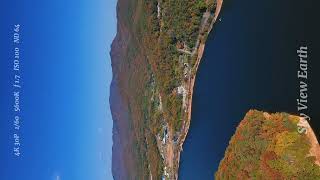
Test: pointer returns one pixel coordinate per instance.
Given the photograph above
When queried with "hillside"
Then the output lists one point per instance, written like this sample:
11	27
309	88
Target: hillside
271	146
155	56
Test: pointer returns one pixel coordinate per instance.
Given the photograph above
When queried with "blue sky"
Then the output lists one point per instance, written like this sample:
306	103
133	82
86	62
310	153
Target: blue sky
66	125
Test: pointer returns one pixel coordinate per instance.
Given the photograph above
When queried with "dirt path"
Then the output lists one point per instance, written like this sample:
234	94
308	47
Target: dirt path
170	155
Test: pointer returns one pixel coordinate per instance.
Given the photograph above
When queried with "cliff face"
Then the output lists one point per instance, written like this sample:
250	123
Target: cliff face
271	146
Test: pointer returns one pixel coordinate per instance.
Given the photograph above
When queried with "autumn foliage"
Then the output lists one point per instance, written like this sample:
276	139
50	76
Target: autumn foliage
268	146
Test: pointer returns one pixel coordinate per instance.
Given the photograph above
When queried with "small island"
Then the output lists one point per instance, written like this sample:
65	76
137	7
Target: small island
271	146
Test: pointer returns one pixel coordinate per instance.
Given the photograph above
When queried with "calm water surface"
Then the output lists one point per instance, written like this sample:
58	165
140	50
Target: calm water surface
250	62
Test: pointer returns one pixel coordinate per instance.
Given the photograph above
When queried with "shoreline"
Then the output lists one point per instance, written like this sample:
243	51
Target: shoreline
200	51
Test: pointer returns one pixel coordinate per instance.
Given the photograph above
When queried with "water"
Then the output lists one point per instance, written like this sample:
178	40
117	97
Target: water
250	62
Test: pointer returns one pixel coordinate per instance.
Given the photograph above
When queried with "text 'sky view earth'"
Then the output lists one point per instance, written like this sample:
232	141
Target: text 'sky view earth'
155	58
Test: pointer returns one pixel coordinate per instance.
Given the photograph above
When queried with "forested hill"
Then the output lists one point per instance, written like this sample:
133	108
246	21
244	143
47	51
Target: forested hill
271	146
155	56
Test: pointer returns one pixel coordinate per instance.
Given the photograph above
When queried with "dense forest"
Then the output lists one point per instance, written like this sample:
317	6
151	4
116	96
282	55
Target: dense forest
154	53
268	146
